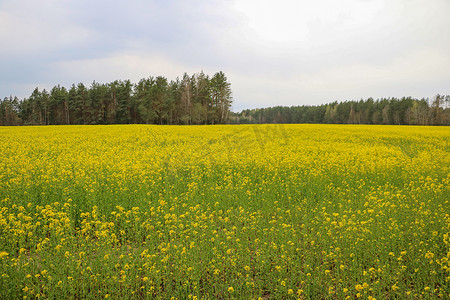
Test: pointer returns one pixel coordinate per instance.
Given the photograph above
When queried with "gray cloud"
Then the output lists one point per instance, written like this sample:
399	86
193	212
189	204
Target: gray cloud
291	53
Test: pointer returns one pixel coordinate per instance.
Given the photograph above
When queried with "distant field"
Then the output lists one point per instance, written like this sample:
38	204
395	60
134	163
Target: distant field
223	212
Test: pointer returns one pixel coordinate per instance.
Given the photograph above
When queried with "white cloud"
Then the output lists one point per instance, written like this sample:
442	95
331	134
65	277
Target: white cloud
293	22
421	73
121	66
316	52
33	27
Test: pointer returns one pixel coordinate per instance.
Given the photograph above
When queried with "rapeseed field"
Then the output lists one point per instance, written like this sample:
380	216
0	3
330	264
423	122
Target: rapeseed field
225	212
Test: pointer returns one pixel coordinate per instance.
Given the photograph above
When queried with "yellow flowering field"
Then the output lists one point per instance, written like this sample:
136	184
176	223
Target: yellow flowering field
225	212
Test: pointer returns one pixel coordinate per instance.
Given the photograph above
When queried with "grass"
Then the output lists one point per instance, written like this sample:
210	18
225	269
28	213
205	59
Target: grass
225	212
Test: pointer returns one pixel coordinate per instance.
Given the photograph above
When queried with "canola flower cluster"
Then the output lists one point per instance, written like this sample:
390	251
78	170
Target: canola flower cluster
225	212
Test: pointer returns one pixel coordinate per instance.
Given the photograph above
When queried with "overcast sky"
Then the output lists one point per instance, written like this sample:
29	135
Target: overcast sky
282	52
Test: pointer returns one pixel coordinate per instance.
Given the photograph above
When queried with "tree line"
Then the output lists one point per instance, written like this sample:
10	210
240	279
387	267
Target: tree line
196	99
388	111
200	99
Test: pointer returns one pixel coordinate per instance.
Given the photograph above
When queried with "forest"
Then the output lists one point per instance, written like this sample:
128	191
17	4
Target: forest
196	99
386	111
201	99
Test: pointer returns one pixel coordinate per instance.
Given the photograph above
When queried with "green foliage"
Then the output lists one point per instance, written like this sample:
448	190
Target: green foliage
195	99
199	99
387	111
